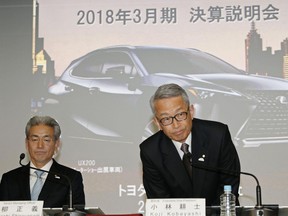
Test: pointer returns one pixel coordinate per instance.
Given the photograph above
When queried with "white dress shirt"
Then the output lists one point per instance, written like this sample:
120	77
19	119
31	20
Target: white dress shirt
33	176
179	144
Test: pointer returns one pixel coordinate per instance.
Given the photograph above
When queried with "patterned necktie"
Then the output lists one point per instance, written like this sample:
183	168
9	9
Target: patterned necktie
37	186
187	159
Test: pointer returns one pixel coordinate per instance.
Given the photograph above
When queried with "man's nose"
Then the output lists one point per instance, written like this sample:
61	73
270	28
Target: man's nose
175	123
40	143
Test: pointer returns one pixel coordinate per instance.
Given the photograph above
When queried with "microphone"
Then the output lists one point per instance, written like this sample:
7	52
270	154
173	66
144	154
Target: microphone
258	206
70	207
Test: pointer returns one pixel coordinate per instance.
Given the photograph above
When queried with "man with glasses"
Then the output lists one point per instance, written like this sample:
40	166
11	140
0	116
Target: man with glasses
209	150
25	183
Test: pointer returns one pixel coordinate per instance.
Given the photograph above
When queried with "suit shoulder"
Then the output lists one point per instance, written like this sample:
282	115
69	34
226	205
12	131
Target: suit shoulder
152	141
64	169
14	172
208	123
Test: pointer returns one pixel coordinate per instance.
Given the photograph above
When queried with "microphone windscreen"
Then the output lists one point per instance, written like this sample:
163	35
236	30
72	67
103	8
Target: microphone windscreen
22	156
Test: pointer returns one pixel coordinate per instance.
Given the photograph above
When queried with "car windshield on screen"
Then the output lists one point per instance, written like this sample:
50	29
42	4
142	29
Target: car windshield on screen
182	62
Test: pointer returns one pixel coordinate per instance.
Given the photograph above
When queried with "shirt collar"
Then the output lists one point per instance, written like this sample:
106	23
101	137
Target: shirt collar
187	141
46	167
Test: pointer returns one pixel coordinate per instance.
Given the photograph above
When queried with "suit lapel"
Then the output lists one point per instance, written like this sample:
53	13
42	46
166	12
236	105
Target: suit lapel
199	155
52	183
24	181
174	165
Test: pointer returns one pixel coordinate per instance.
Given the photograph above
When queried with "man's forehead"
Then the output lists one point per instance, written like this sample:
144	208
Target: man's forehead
39	135
41	130
170	107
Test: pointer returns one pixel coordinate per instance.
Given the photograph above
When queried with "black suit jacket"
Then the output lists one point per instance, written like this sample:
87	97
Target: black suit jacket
164	175
15	185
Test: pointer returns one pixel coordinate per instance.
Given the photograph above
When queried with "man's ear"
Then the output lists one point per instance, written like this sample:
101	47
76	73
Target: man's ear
191	110
26	144
157	123
57	147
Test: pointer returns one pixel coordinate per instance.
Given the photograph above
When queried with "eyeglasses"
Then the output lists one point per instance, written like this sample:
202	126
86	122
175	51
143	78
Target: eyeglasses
169	120
35	139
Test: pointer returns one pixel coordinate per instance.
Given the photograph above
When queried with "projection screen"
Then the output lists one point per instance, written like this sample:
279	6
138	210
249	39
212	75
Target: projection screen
93	65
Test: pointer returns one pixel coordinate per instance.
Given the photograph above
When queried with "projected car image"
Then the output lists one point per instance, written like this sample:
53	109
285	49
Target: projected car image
105	94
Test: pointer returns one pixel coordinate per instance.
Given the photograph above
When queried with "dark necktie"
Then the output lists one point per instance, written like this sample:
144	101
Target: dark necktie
187	159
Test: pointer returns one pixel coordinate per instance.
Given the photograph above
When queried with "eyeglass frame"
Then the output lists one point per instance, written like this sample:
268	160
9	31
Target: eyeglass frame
174	117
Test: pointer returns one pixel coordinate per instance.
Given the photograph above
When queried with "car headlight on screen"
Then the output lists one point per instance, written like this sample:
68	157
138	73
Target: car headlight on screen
198	94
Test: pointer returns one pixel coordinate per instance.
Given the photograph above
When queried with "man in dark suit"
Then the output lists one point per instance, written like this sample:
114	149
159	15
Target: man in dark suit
210	145
42	142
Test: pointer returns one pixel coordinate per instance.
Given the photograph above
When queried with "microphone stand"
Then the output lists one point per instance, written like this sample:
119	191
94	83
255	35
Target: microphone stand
259	209
70	211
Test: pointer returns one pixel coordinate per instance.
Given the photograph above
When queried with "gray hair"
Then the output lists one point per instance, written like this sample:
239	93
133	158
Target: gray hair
43	120
168	91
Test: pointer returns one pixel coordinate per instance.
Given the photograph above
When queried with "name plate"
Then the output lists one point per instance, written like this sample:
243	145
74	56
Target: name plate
175	207
21	208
